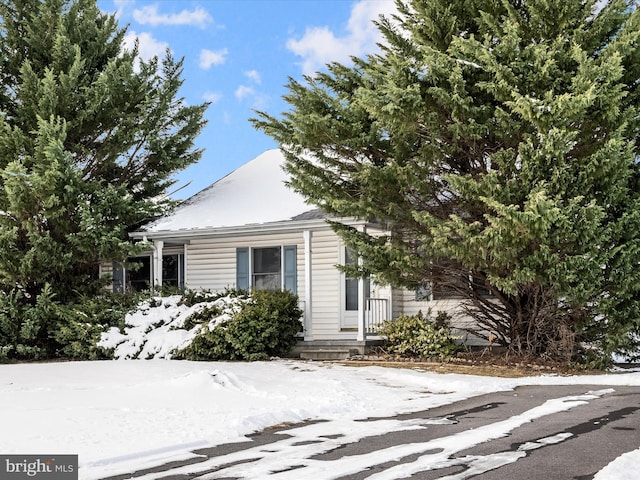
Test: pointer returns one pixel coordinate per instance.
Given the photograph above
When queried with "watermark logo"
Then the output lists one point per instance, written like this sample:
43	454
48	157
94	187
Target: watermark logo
39	467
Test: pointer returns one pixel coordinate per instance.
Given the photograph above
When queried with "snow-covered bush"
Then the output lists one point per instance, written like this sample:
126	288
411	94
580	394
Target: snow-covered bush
161	325
419	336
229	325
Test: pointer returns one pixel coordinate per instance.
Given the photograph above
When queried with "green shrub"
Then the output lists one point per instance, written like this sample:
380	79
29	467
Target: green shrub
25	324
419	336
40	327
266	326
79	326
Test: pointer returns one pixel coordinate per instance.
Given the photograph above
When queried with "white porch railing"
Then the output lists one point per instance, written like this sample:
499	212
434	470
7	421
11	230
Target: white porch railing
376	312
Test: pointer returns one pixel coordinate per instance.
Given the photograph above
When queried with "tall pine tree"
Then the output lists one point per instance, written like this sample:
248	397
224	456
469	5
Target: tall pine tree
498	144
89	139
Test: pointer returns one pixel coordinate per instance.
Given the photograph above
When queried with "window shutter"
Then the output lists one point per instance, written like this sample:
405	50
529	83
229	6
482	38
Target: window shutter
290	268
242	268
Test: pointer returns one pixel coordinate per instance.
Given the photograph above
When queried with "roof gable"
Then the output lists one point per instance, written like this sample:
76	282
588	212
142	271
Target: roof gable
255	193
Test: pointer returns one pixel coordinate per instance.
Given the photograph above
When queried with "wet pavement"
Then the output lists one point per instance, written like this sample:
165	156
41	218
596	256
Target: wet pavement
548	432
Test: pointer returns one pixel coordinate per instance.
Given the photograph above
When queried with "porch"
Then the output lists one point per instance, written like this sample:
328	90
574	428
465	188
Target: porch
374	313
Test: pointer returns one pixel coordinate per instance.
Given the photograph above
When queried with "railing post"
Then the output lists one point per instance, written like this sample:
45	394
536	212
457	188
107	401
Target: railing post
377	310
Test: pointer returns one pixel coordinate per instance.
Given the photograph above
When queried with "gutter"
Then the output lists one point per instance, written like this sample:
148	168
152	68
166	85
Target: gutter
271	227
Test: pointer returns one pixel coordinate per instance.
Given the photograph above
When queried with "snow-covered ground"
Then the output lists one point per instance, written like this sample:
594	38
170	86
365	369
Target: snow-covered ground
119	414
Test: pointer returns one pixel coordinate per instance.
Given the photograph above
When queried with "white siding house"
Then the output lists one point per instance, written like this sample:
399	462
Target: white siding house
249	229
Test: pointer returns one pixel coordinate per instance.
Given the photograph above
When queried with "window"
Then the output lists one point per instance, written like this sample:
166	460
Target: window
445	291
173	270
138	274
479	285
451	284
139	279
269	268
423	292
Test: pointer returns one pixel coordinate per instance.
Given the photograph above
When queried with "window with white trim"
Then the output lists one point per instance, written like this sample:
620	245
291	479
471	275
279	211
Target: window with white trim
137	274
452	289
267	268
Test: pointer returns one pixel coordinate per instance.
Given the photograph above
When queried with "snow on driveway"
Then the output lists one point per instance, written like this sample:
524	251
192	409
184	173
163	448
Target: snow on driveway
121	414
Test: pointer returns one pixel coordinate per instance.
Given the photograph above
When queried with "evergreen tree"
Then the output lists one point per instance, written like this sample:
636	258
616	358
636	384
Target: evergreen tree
497	142
89	139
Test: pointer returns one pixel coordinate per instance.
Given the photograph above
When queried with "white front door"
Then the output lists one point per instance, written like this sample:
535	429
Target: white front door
349	295
349	303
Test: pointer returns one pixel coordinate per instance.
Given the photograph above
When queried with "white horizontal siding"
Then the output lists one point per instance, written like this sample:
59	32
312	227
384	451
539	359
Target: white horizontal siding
211	264
410	306
326	285
406	303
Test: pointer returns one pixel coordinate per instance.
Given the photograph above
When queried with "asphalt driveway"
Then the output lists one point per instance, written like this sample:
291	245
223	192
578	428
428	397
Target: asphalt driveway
549	432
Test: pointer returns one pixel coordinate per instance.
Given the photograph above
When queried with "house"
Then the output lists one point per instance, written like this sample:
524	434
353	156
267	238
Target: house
249	229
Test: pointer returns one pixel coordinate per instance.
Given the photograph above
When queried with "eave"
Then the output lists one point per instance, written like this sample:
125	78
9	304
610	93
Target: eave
239	230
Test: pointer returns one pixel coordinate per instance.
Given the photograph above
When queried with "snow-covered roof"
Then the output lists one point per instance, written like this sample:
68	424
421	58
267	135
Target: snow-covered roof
255	193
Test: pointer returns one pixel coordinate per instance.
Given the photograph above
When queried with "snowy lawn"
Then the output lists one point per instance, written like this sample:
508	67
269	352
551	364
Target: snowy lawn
121	414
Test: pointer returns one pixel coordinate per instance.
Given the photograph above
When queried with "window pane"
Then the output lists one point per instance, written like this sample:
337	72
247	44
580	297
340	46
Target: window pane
349	257
266	260
170	270
139	276
351	291
118	278
267	282
480	285
242	268
290	268
266	268
448	280
423	292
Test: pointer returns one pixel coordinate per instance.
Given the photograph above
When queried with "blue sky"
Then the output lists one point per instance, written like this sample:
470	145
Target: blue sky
238	55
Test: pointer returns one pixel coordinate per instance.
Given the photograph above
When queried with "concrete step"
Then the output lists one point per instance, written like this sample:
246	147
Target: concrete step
325	354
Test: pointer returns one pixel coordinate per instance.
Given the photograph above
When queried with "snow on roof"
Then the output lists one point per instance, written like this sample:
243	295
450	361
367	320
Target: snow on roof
255	193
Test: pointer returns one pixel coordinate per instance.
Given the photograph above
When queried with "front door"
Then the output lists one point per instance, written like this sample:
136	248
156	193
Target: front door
349	293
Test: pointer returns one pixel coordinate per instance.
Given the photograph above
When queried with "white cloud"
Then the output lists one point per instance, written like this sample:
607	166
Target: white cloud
319	45
211	57
257	100
121	6
212	97
253	75
243	92
149	15
148	47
